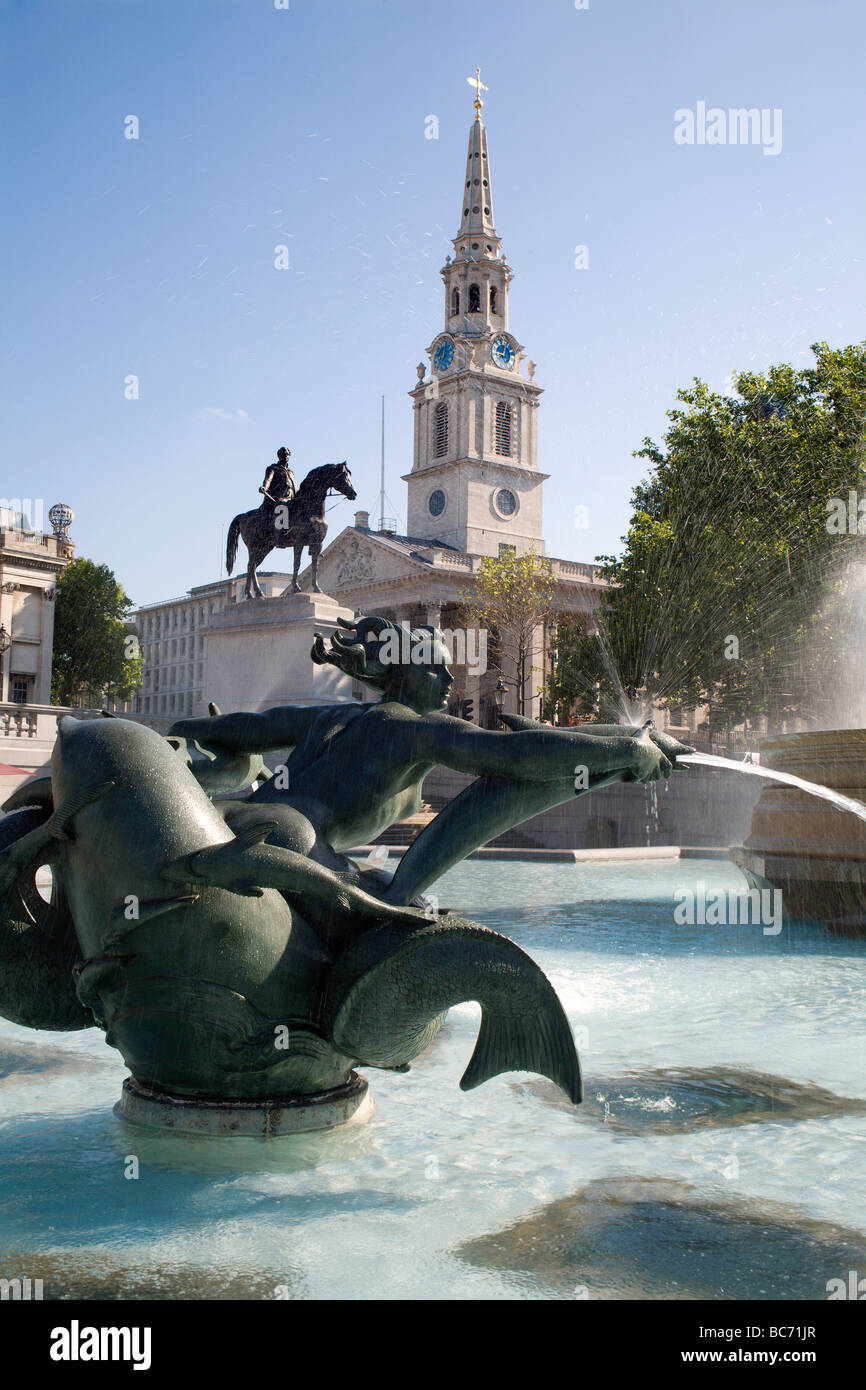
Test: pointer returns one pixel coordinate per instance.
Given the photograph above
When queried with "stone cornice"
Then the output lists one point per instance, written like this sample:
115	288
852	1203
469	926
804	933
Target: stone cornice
479	377
446	464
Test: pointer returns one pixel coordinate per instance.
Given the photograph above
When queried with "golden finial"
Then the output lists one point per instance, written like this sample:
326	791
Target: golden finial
479	88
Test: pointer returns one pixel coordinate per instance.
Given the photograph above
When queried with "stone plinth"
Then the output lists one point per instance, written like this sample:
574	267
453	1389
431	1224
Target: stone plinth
281	1115
813	852
258	653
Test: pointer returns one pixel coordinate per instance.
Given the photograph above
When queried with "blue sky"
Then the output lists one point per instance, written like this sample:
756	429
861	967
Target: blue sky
306	127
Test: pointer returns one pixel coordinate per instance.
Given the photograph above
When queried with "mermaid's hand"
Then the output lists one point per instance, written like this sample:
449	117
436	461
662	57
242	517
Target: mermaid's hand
650	762
671	747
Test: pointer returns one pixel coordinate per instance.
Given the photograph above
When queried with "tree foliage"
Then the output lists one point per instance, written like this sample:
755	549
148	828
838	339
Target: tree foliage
96	654
728	559
513	598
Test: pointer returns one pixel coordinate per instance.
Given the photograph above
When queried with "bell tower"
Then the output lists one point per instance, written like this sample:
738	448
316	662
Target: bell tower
475	482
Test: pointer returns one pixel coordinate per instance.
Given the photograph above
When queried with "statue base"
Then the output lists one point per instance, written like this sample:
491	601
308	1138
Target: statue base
258	653
280	1115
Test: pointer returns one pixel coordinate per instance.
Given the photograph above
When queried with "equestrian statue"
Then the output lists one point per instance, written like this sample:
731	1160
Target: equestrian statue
287	516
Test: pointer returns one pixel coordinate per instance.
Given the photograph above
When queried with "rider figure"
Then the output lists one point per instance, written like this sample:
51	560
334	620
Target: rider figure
279	486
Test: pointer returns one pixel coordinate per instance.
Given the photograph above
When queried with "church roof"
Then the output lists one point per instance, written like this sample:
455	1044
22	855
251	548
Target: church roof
407	544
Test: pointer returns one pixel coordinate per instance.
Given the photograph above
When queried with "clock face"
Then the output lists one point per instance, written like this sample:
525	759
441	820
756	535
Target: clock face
502	351
443	354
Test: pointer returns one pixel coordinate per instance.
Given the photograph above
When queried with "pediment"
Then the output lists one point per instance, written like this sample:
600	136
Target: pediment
355	558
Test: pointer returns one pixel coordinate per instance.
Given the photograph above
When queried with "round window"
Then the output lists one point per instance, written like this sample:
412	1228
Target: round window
506	502
436	502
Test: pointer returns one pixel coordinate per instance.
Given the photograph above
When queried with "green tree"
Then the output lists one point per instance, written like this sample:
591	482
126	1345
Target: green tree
730	553
513	597
96	654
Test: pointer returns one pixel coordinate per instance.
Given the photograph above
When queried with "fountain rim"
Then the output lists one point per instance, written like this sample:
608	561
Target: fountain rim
265	1117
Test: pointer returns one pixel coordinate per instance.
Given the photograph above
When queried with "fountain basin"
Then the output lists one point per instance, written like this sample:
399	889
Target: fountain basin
718	1153
810	850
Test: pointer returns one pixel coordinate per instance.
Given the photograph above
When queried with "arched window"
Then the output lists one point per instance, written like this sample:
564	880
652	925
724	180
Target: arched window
440	431
474	299
503	428
455	300
493	308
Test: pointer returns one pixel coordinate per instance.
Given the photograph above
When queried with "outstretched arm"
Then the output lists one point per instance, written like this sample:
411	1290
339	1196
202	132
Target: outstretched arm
541	755
281	727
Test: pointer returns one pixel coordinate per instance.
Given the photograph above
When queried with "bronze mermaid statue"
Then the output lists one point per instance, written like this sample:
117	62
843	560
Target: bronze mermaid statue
207	914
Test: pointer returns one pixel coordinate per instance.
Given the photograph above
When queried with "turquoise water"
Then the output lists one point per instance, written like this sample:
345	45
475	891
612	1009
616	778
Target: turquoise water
719	1152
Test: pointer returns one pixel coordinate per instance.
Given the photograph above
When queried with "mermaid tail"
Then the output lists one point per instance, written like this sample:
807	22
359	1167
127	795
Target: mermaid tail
389	992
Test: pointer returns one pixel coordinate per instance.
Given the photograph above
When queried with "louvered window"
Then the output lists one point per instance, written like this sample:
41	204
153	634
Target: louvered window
503	428
440	431
474	299
455	301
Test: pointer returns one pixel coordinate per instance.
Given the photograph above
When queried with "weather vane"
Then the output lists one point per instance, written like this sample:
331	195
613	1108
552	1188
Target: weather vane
479	88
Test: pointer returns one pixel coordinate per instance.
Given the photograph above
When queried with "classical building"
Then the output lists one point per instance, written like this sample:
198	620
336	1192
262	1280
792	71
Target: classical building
174	644
30	562
475	487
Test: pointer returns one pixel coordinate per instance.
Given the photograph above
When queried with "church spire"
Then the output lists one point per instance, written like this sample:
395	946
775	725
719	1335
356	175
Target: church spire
477	239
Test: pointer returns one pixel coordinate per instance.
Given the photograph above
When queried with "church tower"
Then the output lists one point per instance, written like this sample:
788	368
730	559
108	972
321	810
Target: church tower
475	482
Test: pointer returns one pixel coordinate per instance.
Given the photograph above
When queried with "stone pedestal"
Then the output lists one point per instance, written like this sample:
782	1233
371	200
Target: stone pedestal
258	653
281	1115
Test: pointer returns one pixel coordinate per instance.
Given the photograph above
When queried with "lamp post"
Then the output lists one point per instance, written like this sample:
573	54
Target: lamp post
499	693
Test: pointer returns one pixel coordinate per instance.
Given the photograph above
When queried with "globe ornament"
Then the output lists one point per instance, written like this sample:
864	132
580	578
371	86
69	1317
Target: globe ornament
61	517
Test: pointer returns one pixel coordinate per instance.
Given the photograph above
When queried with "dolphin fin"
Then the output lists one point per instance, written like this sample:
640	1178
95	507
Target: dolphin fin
254	834
67	810
122	925
22	853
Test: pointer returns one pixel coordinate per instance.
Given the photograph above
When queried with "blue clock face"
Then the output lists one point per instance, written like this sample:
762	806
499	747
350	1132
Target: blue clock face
502	351
443	356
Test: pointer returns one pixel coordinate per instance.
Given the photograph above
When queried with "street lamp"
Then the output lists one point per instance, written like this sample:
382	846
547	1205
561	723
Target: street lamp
499	693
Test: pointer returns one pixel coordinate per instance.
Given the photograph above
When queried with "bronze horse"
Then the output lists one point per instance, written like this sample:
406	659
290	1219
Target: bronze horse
298	523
